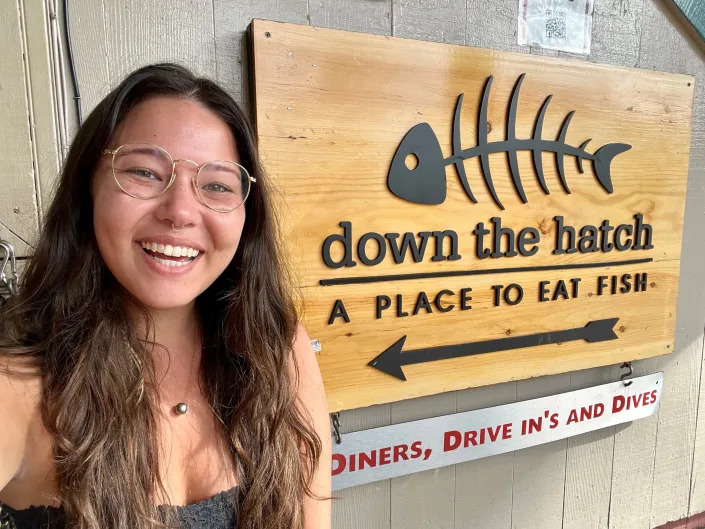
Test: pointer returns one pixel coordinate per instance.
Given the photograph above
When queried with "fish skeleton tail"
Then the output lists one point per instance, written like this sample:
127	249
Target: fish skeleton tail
603	159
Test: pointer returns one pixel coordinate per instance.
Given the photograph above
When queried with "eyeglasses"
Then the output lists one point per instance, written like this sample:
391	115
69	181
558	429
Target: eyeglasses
145	171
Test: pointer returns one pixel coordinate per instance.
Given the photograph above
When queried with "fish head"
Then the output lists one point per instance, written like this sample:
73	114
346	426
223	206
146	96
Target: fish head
425	183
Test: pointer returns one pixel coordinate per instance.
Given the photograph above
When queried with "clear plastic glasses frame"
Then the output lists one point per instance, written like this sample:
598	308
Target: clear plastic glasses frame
114	152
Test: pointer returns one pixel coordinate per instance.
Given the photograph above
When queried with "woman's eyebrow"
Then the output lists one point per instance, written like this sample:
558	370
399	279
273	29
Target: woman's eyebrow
143	150
223	167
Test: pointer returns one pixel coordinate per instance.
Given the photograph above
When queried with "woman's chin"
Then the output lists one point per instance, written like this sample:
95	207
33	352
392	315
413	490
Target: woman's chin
165	303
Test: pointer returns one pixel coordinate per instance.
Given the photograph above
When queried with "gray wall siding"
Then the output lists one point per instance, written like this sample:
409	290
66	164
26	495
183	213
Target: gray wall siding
634	476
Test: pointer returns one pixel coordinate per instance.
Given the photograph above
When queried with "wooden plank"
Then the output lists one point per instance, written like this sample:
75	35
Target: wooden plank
424	500
42	115
588	472
318	123
633	468
539	471
697	482
616	32
140	33
493	26
365	506
665	47
429	21
483	488
90	47
18	210
231	18
367	16
589	459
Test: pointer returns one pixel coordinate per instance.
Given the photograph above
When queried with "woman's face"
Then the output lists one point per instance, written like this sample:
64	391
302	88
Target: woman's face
124	225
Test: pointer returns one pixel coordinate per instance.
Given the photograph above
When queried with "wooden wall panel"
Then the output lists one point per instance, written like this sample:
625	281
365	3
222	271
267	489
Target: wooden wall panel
46	146
231	19
430	21
697	483
588	473
589	489
665	47
364	506
539	471
484	490
18	206
90	45
427	499
139	33
493	26
365	16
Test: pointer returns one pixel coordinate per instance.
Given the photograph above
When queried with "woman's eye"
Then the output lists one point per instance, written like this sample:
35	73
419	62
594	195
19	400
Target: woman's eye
145	173
216	188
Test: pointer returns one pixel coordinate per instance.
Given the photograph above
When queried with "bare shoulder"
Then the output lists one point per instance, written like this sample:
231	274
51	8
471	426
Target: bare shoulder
310	383
312	396
20	397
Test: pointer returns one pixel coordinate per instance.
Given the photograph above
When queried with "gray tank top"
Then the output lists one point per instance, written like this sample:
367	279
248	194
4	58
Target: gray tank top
216	512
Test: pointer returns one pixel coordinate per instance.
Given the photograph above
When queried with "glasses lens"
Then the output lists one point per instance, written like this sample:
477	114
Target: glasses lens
142	170
222	185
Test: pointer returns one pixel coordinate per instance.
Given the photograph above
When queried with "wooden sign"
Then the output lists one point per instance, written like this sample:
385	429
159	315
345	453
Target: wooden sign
459	216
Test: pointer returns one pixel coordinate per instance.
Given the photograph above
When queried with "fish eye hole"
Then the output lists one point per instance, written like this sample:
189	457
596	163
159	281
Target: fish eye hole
411	161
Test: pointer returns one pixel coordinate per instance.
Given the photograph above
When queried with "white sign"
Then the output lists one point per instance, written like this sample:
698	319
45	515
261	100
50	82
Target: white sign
564	25
399	449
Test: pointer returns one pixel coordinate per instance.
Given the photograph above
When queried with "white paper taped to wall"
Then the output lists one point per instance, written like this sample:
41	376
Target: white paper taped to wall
564	25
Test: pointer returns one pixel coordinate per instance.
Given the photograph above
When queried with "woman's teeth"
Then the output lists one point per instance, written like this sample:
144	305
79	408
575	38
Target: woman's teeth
170	251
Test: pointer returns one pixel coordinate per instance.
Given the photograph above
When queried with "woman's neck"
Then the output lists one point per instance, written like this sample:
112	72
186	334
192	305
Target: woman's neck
175	327
178	351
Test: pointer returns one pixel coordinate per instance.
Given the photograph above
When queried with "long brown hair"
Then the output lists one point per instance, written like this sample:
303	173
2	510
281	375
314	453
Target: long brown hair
99	399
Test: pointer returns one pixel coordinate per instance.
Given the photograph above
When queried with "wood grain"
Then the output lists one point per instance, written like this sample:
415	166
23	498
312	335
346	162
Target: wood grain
668	49
588	472
18	211
539	471
231	19
311	92
46	145
484	490
375	497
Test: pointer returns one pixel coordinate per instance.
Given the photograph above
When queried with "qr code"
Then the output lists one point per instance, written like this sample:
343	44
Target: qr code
555	24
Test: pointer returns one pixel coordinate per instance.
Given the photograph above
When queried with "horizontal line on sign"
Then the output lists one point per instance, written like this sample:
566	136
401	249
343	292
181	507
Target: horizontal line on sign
454	273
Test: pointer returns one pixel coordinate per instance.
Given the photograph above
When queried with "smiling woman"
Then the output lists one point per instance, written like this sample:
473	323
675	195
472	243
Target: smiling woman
153	370
168	194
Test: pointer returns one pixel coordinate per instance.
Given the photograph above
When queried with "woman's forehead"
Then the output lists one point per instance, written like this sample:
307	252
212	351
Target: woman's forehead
182	126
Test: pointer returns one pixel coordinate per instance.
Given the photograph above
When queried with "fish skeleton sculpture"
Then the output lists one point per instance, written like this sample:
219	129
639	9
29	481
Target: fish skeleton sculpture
426	183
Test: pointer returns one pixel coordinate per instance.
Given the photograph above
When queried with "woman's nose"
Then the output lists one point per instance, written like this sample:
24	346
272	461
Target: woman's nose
180	202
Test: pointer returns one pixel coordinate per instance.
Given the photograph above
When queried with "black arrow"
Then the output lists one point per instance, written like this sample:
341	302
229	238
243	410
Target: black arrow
391	360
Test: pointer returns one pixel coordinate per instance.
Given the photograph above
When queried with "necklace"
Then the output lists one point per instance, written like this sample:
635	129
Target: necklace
180	408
